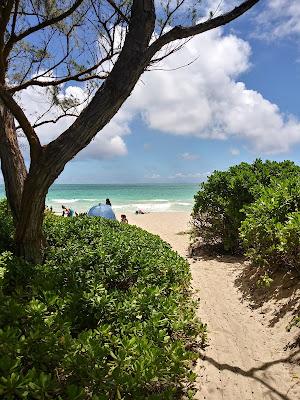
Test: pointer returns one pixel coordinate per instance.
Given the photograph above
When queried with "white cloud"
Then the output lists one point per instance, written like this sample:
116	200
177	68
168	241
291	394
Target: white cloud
189	157
234	151
191	175
178	176
206	99
153	176
109	143
280	18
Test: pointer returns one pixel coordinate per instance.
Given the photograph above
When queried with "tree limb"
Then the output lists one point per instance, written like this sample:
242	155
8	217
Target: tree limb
79	77
18	113
180	32
128	68
5	11
117	9
54	120
16	38
169	16
14	21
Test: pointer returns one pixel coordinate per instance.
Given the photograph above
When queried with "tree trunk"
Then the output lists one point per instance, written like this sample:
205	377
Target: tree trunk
26	192
29	238
12	162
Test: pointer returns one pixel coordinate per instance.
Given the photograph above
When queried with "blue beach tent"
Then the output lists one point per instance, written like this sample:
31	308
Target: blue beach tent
102	210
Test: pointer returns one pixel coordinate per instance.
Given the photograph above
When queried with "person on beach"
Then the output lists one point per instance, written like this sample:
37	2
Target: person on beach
124	220
140	212
107	202
68	212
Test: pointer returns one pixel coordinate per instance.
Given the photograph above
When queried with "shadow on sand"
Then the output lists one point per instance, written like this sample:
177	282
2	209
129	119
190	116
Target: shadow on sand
283	295
284	291
252	372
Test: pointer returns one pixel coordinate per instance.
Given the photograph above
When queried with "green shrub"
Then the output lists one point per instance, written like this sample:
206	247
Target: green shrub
271	230
6	227
108	316
220	204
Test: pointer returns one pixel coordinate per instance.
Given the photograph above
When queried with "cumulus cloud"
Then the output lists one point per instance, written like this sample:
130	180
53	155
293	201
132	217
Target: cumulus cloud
207	100
279	18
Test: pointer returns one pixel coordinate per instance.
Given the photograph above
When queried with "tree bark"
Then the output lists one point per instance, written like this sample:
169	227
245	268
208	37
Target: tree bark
29	237
12	162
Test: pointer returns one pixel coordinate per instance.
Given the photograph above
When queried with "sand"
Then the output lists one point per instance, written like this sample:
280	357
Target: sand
250	353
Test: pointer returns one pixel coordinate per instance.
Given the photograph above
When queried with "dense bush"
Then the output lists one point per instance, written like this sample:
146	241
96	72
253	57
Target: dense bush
271	230
220	204
6	227
108	316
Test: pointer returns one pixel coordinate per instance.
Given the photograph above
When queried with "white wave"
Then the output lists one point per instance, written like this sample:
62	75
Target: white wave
143	206
96	200
120	206
158	200
74	200
82	205
64	200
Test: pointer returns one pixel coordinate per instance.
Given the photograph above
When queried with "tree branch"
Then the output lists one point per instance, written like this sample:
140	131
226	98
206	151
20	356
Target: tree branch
180	32
13	25
77	77
117	9
5	11
16	110
16	38
54	120
169	16
128	68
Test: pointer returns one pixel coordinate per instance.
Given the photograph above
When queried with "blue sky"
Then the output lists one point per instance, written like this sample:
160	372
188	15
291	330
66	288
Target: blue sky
239	100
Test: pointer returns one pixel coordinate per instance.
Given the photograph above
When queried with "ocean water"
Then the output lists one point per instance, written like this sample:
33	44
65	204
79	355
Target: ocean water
124	198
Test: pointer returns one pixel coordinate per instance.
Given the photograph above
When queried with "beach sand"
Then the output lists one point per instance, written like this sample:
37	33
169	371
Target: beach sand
246	357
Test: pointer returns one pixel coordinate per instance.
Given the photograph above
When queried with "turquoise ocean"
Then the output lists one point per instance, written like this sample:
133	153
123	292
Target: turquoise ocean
124	198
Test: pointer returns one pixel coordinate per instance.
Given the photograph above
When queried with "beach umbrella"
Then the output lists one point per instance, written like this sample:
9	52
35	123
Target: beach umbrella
102	210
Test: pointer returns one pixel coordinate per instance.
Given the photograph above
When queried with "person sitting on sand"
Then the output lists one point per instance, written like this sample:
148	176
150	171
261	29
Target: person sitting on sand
124	220
107	202
139	212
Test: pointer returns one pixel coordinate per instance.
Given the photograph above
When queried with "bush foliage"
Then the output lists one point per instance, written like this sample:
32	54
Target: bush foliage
271	230
6	227
107	316
220	205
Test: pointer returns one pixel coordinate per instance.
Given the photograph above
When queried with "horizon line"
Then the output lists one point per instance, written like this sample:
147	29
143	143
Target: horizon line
124	184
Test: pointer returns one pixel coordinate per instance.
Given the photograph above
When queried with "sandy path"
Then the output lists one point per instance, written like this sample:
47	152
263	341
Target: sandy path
245	359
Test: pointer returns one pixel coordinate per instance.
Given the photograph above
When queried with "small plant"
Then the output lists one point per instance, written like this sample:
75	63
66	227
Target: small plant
264	281
294	323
